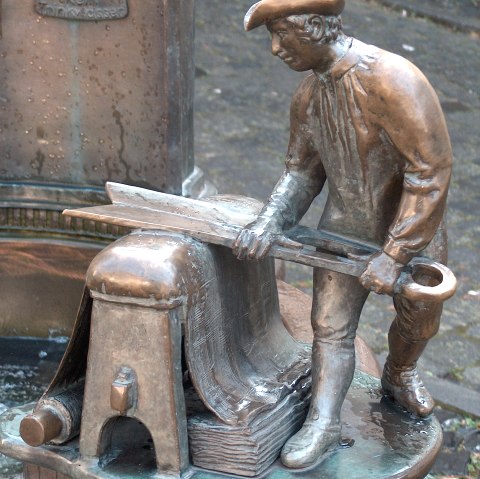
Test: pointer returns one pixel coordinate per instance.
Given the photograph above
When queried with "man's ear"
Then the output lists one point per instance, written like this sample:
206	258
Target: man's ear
317	26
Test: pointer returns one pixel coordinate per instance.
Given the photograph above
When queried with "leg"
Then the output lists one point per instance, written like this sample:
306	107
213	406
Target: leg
337	303
413	326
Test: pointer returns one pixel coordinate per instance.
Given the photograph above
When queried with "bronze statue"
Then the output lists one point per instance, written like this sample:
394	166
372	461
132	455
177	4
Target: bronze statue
243	386
181	359
368	123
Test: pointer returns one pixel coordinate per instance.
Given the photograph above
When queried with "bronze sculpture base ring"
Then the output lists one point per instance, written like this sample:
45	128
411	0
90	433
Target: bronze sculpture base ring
389	443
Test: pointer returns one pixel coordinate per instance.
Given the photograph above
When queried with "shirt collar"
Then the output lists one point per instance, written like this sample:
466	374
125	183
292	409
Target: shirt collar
348	61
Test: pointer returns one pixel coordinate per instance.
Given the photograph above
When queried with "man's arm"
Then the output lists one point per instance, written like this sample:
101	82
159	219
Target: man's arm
414	122
300	183
287	204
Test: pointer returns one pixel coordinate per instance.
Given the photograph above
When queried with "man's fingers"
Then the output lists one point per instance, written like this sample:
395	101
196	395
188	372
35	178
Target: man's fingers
253	247
242	249
249	245
370	282
236	244
239	244
263	249
365	280
244	244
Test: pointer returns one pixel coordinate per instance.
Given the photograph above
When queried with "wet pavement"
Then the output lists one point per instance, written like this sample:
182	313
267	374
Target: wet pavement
461	15
242	124
26	368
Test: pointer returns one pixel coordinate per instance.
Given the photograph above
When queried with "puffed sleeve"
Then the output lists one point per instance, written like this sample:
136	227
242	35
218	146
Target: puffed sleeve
411	115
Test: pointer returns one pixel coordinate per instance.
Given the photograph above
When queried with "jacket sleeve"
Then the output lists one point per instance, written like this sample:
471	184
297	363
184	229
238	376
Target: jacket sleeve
413	120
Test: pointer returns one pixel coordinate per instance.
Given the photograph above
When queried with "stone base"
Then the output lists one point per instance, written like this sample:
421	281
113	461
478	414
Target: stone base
389	443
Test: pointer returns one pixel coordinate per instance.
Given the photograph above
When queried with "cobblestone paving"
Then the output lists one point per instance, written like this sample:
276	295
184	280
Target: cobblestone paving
462	15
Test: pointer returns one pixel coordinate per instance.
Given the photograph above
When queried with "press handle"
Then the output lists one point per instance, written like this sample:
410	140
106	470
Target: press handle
40	427
426	280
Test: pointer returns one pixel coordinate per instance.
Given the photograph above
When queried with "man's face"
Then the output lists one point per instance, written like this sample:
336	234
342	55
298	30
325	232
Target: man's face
299	54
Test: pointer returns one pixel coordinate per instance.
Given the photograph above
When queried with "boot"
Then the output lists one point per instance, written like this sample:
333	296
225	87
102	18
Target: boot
400	379
405	387
310	444
333	365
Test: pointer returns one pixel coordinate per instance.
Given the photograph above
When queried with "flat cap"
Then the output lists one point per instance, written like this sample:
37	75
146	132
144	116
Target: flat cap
267	10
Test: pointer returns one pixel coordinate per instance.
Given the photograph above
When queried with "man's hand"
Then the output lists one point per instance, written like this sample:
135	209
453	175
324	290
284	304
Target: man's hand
381	274
255	240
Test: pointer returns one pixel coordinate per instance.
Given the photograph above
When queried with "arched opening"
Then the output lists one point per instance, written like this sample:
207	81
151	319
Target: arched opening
127	448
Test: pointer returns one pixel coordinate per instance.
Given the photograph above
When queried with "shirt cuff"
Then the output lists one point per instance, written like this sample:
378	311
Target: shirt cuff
398	253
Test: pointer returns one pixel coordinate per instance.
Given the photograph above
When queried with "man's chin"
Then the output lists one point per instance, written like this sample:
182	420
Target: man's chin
297	68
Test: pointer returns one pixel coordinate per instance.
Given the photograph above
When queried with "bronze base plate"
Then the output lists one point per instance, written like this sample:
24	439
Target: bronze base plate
388	443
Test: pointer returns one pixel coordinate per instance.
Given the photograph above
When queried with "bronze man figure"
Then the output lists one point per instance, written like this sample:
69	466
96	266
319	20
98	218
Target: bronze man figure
367	122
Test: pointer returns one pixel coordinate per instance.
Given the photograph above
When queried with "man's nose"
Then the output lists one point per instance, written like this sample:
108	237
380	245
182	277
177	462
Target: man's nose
275	45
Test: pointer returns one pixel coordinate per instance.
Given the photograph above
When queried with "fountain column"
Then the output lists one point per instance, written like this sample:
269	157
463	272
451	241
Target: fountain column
90	91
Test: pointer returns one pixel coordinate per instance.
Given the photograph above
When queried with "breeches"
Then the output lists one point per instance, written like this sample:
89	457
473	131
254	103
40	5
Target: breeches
338	300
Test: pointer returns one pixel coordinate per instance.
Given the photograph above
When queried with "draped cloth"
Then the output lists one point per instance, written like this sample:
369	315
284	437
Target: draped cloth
241	358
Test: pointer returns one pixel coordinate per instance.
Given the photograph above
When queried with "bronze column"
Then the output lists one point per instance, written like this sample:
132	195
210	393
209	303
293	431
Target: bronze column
89	92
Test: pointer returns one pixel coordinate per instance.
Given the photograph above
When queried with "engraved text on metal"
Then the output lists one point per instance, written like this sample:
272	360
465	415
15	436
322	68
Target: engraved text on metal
83	9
